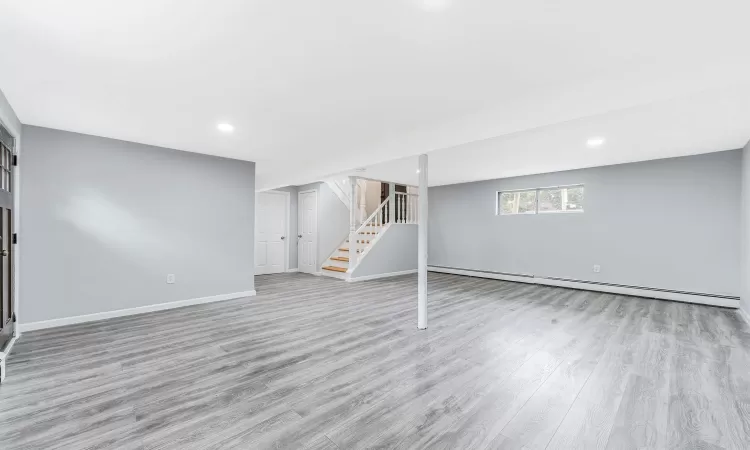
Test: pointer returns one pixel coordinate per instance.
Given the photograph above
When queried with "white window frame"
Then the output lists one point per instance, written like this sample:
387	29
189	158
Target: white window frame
499	210
498	197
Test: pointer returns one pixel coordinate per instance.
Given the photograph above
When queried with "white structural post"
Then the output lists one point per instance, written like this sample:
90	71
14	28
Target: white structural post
353	222
422	246
391	202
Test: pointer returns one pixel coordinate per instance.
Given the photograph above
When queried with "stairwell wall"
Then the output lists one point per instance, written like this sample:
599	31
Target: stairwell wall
395	252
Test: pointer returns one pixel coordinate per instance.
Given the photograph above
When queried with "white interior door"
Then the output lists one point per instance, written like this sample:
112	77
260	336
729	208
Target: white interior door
308	231
270	232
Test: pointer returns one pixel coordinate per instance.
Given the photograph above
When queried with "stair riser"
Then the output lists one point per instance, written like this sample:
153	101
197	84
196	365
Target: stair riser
333	263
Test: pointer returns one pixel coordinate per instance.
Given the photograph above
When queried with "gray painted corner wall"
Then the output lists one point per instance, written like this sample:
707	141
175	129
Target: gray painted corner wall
670	224
333	220
745	239
105	221
293	226
395	251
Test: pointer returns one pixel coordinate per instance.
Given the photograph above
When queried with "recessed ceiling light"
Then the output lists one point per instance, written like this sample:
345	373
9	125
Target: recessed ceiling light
595	142
225	127
417	170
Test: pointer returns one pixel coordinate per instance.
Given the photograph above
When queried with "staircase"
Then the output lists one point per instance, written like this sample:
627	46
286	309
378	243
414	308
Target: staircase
399	208
339	262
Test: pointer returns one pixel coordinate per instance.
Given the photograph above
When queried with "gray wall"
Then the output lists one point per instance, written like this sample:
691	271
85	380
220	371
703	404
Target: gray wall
395	251
745	267
670	223
294	209
105	221
333	220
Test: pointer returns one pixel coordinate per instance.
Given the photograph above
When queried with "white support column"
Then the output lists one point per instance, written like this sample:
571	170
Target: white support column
422	246
391	202
745	237
353	222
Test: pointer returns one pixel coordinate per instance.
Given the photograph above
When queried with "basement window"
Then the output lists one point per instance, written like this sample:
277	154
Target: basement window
6	159
557	199
561	199
518	202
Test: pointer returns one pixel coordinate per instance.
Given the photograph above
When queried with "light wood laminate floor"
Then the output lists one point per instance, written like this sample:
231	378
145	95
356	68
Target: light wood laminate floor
318	363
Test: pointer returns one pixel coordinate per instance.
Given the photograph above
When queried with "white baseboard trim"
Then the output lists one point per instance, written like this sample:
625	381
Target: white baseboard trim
292	270
622	290
382	275
53	323
491	275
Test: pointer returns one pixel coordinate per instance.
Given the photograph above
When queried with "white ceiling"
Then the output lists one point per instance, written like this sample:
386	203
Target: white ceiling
706	122
315	88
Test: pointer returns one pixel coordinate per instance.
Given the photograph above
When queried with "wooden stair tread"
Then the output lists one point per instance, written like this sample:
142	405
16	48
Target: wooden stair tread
340	258
335	269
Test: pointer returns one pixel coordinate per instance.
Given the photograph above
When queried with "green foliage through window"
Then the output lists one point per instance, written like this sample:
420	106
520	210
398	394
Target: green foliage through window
542	200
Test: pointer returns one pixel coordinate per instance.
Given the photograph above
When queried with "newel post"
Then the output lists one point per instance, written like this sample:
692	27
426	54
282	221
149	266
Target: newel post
353	221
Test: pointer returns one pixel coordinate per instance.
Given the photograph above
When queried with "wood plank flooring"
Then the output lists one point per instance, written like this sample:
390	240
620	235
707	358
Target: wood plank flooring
318	363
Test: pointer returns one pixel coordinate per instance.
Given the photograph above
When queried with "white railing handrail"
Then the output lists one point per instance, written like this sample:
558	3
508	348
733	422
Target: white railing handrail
366	223
402	210
405	208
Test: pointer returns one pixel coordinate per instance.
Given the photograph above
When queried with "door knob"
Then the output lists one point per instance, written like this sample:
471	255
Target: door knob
283	237
299	235
4	252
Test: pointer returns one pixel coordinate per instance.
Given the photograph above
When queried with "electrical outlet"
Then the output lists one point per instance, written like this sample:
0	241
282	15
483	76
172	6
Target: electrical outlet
597	268
170	278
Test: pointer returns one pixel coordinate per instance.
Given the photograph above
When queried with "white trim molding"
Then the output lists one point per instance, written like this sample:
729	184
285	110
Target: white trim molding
661	294
53	323
381	275
292	270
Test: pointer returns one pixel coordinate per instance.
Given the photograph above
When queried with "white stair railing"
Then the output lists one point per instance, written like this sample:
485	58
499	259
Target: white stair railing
406	208
372	224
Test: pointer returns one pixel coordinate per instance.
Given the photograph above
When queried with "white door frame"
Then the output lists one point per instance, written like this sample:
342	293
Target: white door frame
288	216
16	132
317	222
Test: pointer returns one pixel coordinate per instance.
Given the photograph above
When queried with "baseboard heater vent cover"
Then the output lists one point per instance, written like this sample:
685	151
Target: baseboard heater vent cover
727	301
